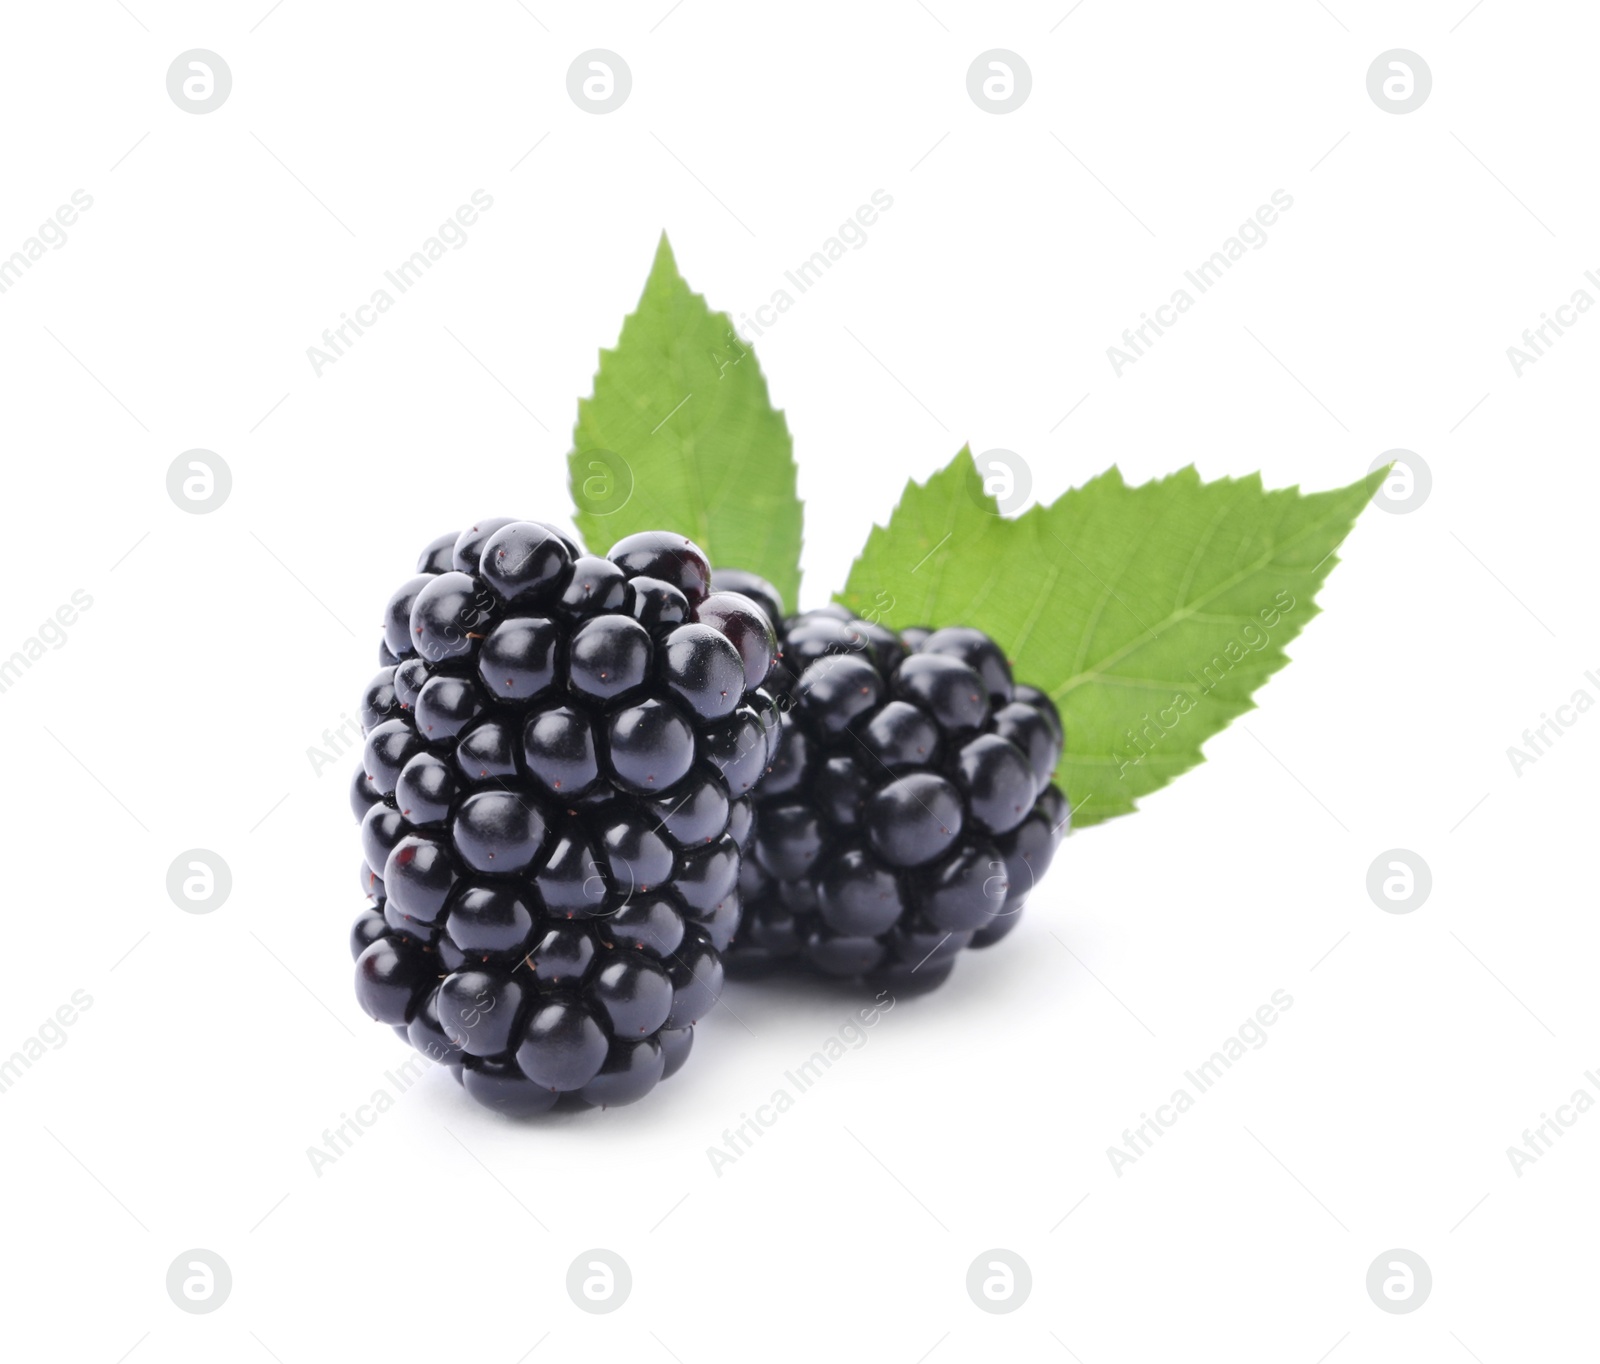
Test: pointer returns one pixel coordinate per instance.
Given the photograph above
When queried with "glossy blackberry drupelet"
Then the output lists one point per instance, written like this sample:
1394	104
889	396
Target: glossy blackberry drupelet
555	797
909	810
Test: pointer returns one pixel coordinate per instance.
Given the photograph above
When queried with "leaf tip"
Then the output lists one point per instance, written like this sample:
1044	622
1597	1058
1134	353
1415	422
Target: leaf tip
664	257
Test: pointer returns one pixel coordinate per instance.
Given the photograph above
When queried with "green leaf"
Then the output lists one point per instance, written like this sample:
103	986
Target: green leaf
679	435
1151	614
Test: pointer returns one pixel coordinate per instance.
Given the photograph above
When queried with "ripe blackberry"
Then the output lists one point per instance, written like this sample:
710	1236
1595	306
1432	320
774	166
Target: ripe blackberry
554	798
909	810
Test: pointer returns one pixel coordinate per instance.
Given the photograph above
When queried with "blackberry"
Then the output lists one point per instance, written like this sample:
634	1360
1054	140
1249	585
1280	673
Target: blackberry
909	808
554	797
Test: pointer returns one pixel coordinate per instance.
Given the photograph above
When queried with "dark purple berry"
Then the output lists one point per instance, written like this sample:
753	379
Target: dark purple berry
650	746
478	1010
363	794
913	819
610	657
499	832
487	751
647	922
696	973
572	883
631	1071
379	702
367	929
410	678
671	558
965	890
390	975
468	552
640	858
490	921
596	587
1044	705
558	747
737	748
498	1084
675	1045
634	993
900	735
563	955
563	1047
753	587
427	1034
695	813
389	748
518	658
427	787
438	555
857	895
791	765
744	624
704	671
841	787
445	707
837	688
526	561
1026	726
997	781
658	605
449	616
381	828
418	878
708	876
978	652
397	616
788	839
946	688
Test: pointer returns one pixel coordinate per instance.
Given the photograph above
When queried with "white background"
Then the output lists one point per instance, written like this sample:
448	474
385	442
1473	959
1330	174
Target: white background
179	711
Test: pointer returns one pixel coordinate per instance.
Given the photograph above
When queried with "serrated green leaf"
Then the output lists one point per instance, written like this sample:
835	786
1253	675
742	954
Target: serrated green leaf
680	435
1151	614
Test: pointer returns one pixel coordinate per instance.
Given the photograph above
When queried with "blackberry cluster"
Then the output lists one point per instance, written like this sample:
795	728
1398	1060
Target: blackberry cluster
554	797
909	810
